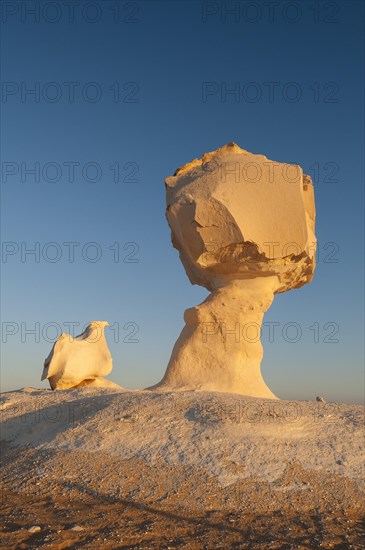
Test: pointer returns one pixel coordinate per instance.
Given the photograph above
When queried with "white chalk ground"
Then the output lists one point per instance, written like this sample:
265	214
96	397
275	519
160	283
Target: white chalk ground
232	437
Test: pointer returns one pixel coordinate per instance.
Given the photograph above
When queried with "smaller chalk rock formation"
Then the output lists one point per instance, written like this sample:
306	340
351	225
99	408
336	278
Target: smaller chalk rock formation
244	228
80	361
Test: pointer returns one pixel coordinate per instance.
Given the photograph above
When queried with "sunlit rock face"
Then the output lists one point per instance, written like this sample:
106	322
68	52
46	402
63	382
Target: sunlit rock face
244	228
80	361
236	215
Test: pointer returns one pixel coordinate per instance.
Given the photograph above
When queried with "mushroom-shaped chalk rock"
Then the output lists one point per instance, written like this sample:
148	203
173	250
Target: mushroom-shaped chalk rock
244	228
80	361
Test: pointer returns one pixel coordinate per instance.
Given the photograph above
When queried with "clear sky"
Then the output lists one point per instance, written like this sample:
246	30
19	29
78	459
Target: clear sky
123	94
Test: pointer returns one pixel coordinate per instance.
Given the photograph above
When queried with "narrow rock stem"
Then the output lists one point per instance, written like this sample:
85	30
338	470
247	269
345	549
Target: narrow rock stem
220	349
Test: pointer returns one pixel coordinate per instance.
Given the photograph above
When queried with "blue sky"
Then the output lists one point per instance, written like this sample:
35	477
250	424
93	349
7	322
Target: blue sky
132	96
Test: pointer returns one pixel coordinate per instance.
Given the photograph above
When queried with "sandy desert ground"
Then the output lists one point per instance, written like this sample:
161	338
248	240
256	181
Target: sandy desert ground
98	468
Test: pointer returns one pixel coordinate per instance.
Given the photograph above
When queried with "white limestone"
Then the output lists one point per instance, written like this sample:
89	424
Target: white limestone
244	228
80	361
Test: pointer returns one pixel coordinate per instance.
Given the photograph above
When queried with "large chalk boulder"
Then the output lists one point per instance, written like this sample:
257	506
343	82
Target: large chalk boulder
80	361
244	229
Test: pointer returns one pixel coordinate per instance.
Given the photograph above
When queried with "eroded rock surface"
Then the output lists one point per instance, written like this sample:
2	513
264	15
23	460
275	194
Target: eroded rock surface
234	214
244	228
80	361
